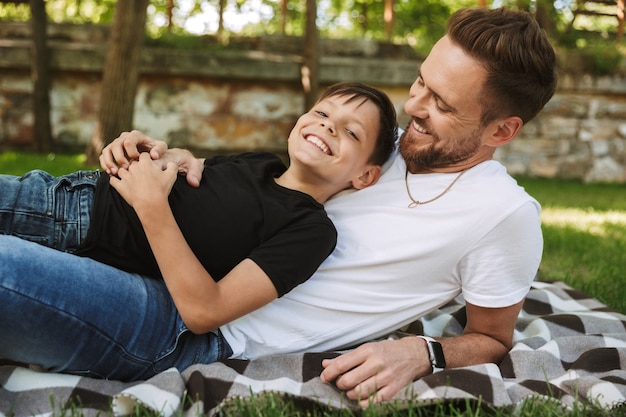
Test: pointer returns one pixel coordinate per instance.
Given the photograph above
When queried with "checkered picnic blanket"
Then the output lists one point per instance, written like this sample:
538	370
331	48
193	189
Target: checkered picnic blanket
567	346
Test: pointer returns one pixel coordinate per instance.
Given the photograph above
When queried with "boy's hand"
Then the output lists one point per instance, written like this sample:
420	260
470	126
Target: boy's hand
127	148
186	163
144	184
129	145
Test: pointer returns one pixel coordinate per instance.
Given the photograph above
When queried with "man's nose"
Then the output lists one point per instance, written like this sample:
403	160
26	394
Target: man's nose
416	105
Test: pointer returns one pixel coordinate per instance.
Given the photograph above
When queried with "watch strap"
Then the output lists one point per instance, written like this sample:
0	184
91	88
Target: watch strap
435	354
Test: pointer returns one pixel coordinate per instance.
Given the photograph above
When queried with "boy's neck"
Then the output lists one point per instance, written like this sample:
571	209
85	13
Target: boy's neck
317	191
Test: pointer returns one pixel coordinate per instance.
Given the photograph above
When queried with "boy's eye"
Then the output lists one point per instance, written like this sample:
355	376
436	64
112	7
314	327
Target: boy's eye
351	133
321	113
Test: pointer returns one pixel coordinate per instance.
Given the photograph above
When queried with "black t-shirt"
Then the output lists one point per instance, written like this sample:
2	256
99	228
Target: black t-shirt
238	212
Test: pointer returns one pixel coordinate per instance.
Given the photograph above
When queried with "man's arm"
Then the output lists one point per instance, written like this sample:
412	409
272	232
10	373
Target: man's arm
379	370
129	145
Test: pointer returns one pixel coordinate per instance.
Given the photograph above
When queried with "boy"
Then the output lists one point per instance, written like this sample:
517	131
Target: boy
252	232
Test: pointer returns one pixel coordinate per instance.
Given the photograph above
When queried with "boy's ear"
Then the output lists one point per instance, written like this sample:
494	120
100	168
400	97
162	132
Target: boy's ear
369	177
504	130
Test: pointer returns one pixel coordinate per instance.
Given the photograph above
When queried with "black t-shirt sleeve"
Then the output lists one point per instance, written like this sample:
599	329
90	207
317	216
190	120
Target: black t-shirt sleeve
293	255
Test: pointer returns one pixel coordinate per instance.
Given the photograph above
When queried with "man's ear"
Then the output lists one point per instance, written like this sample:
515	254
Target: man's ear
504	130
369	177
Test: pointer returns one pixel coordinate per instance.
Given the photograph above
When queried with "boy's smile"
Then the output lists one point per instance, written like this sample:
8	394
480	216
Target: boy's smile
319	143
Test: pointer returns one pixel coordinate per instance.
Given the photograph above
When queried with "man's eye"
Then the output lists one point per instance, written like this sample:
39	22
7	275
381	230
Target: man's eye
441	108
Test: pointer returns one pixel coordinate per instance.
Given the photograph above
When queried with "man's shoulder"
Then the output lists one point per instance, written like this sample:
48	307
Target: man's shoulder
491	178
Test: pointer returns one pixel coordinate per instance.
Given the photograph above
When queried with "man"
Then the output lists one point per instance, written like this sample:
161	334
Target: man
444	220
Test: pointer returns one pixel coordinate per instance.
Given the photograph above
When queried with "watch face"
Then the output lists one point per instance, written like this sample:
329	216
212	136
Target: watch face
439	359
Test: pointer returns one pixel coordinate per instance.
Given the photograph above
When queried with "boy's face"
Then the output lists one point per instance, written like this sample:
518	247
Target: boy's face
335	139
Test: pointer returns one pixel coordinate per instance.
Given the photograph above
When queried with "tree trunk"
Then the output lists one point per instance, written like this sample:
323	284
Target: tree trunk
169	7
364	22
220	25
283	17
40	74
310	67
389	17
121	70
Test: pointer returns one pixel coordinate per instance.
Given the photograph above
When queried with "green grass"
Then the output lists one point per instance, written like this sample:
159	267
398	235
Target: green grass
584	228
270	404
17	163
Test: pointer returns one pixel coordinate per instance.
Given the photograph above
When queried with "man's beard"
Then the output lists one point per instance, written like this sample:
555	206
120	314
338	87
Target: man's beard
434	155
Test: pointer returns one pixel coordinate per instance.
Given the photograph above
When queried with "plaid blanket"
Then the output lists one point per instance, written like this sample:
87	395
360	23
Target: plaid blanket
567	346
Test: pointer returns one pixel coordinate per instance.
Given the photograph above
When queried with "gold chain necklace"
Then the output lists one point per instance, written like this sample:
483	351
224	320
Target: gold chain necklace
414	203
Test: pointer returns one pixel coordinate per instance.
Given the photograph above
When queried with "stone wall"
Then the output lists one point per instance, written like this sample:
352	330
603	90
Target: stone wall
222	101
580	134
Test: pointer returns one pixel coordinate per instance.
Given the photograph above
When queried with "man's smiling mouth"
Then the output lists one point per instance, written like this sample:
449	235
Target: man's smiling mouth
419	128
319	143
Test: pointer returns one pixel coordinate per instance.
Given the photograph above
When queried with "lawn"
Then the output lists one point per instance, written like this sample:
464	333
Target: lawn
584	228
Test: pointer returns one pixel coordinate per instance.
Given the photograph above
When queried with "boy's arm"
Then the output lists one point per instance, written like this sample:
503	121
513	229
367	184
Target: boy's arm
129	145
202	303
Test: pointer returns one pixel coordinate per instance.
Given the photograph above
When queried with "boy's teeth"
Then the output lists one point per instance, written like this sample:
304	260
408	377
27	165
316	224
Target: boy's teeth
319	143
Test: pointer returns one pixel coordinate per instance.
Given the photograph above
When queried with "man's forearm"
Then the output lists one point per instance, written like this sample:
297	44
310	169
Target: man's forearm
472	349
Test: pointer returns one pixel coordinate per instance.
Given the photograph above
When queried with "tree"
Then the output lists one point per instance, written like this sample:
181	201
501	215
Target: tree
40	74
310	67
120	75
389	18
283	17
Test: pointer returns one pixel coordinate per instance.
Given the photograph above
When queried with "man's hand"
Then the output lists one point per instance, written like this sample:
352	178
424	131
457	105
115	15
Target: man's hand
129	145
377	371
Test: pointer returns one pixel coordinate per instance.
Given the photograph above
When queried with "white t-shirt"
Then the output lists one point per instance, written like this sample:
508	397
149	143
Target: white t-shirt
392	264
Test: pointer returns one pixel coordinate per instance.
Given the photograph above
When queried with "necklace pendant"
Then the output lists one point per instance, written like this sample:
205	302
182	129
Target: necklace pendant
414	204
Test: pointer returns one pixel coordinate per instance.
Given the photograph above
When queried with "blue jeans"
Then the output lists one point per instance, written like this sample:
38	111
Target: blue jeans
52	211
72	314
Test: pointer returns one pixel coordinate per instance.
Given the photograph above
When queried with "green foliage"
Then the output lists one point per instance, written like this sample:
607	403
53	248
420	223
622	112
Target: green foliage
72	11
417	23
12	11
81	11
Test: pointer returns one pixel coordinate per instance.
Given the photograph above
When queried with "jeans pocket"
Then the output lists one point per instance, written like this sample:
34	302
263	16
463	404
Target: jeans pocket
72	200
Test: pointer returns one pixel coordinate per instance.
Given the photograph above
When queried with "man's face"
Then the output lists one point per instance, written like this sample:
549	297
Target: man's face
445	132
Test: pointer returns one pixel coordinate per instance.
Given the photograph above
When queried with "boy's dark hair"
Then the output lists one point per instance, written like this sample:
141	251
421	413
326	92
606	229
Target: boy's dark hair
518	57
388	125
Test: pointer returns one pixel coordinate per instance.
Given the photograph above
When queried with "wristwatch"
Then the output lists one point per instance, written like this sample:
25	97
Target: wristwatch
435	352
